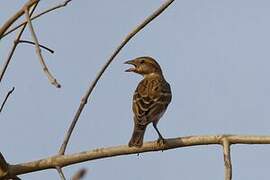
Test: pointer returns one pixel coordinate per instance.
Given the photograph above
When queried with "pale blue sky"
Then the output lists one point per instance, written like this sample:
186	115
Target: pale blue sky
215	54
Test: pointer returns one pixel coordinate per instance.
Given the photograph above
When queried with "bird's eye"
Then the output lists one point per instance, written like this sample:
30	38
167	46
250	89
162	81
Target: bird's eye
142	61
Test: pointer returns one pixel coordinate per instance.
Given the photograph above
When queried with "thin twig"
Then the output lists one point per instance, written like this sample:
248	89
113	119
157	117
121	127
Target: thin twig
15	43
42	46
60	172
92	86
16	16
63	4
52	80
4	102
101	153
227	159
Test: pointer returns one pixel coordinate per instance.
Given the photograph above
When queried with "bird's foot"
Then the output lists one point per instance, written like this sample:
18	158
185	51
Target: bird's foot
161	142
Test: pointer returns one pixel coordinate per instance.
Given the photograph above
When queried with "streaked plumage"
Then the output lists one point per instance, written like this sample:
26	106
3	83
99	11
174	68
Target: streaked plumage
151	97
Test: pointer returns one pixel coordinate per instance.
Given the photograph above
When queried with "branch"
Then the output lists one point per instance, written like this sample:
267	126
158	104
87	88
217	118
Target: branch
92	86
4	102
36	16
52	80
42	46
101	153
16	16
227	159
15	43
21	31
60	172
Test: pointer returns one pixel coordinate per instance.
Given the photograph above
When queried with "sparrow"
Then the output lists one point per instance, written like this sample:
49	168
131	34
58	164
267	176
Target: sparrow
151	98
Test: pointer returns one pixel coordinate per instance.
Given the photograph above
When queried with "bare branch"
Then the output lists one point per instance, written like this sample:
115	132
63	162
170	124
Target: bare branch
4	102
227	158
42	46
52	80
92	86
79	174
36	16
60	172
101	153
16	16
14	46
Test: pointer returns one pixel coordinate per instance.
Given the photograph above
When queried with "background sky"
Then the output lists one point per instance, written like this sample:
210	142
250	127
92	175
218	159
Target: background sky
215	54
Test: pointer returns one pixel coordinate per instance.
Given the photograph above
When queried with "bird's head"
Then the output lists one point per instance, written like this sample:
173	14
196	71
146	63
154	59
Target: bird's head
144	66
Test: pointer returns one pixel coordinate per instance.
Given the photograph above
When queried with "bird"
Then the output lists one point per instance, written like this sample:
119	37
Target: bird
150	99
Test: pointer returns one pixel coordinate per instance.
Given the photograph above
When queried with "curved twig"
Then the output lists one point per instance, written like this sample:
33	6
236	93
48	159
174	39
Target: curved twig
16	16
4	102
36	16
15	45
92	86
42	46
52	80
101	153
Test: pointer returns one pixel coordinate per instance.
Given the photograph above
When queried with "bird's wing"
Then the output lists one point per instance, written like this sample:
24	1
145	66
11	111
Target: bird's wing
150	100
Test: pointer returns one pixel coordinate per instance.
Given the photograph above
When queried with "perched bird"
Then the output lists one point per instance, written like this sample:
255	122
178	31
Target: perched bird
151	98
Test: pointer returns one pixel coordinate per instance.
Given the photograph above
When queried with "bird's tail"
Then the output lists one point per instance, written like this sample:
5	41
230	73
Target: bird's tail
137	136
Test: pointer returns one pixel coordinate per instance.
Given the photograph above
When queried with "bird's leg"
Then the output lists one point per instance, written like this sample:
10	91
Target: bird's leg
160	139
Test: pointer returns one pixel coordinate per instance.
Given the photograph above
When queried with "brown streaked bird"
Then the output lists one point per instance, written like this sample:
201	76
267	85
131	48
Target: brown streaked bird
151	98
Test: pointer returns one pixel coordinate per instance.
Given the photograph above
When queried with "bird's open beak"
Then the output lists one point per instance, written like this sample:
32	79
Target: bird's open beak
132	69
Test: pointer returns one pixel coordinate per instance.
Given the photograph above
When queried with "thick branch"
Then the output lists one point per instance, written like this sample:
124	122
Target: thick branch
66	160
52	80
227	159
16	16
100	73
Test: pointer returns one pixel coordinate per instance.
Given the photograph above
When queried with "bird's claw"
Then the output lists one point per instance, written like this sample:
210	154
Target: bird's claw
161	142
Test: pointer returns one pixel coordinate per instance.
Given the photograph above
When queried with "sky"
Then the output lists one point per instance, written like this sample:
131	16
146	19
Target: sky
214	54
